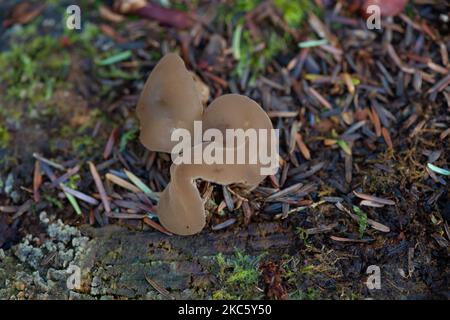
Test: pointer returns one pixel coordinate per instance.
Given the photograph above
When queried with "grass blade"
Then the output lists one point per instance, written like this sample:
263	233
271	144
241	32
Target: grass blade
439	170
141	185
73	202
115	58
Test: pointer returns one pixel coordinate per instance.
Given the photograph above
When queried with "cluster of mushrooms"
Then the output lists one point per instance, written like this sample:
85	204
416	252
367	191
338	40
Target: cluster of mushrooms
170	100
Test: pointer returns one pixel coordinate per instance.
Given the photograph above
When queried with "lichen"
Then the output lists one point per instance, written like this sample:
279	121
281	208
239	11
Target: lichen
62	232
25	252
42	271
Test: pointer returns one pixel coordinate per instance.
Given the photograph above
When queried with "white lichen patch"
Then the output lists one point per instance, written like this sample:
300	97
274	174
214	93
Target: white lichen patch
43	272
27	253
61	232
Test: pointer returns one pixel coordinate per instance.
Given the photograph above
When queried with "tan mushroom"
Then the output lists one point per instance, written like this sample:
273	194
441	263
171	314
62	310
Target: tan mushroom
169	100
181	209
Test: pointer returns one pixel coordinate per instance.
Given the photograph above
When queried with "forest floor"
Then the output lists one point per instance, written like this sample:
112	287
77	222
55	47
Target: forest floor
364	117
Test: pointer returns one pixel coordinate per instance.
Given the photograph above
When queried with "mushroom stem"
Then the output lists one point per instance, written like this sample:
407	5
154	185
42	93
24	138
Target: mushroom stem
180	208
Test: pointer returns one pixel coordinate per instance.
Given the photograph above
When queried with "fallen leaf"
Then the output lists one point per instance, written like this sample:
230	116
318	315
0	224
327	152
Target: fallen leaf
388	8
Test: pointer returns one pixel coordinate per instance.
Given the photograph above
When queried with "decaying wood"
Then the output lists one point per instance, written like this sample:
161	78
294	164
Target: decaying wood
117	262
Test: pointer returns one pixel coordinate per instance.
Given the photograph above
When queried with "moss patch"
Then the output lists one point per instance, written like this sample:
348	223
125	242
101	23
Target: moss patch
238	276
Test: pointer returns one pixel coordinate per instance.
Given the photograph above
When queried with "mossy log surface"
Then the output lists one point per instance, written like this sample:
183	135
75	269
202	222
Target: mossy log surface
123	259
115	263
119	263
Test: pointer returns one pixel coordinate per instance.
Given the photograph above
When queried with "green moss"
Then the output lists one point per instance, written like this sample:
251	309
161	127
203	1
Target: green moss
114	254
84	38
362	220
32	66
256	62
54	201
5	137
381	182
83	42
36	64
353	296
73	181
82	141
308	294
378	184
294	11
85	145
130	135
238	276
302	235
275	42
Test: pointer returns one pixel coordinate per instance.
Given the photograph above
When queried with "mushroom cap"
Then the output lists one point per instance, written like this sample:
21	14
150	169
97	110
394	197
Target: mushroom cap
181	209
168	101
234	111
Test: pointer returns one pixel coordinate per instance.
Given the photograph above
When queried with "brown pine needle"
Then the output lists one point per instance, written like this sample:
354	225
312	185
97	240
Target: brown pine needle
348	82
110	143
302	146
374	199
340	239
376	121
324	102
282	114
157	226
122	183
49	162
161	290
444	134
387	137
37	181
100	187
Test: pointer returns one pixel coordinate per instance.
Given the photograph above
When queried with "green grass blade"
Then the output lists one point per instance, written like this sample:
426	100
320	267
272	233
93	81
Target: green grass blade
312	43
439	170
236	44
73	202
344	146
141	185
115	58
